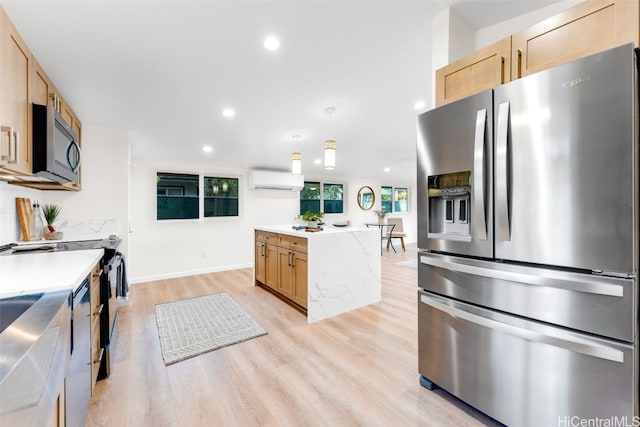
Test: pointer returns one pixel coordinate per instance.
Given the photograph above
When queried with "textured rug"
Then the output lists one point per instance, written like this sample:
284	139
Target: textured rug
413	263
194	326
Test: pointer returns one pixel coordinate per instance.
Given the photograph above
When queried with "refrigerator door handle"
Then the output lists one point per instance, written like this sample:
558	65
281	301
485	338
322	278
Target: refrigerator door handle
558	339
479	175
502	174
590	286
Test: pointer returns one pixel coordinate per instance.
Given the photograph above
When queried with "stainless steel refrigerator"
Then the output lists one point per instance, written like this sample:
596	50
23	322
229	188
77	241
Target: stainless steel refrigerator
528	245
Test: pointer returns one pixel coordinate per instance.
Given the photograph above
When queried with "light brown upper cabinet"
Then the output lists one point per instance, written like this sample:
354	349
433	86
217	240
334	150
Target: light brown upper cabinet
15	100
482	70
589	27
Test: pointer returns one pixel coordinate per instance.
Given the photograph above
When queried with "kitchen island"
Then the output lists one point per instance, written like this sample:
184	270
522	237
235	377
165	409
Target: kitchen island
323	273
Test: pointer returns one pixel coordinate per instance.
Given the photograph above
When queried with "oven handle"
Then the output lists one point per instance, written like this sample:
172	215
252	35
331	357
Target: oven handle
79	294
566	342
586	285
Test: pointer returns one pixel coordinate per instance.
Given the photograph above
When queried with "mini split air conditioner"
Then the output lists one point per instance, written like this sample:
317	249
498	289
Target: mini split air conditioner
273	180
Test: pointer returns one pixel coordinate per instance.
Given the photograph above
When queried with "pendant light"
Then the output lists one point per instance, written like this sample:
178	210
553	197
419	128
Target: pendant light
296	159
330	144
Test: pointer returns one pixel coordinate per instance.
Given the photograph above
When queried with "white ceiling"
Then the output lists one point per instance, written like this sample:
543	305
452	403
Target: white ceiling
166	69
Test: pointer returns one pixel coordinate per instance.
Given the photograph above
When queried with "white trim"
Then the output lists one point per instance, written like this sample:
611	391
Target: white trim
155	277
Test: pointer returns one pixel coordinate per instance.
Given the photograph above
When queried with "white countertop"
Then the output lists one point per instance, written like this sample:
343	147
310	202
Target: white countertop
327	229
42	272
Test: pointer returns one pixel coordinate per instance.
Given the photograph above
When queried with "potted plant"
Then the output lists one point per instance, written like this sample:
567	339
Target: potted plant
312	218
51	213
382	216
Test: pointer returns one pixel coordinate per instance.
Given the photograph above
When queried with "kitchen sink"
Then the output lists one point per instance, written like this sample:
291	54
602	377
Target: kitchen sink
12	308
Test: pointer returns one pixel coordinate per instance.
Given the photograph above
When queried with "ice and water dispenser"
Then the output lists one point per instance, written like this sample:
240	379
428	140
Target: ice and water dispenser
449	205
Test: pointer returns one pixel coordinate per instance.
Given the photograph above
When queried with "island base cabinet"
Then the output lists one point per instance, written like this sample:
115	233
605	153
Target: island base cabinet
292	283
300	275
271	266
266	265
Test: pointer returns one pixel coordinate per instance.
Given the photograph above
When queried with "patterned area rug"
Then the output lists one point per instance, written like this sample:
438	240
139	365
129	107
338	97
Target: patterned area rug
195	326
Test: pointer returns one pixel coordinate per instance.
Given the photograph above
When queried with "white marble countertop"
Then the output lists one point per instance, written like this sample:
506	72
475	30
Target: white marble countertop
327	229
22	274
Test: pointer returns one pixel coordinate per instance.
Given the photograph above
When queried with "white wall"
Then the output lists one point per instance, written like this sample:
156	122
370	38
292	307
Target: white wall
105	166
164	249
9	223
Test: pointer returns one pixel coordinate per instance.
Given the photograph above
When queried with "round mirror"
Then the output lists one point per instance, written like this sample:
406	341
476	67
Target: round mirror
366	198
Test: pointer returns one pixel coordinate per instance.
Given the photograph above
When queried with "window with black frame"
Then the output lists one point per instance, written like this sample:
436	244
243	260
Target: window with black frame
322	197
220	196
333	195
177	196
310	197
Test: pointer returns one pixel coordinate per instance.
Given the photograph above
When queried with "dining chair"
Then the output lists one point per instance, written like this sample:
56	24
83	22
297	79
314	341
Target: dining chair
397	233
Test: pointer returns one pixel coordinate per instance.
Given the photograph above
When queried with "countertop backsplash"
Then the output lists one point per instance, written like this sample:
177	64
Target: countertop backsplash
73	229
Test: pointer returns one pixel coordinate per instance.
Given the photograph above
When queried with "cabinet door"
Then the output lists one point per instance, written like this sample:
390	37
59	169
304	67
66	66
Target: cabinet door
15	100
587	28
42	88
299	295
285	273
260	263
271	266
482	70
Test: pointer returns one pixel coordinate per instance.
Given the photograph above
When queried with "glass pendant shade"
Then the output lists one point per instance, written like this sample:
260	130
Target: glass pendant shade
329	154
296	163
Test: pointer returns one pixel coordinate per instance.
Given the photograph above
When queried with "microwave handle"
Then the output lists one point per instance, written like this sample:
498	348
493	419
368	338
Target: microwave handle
75	166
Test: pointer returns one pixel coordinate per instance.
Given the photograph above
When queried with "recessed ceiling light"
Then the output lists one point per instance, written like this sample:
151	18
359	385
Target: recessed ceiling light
228	112
207	148
317	161
271	43
419	105
386	169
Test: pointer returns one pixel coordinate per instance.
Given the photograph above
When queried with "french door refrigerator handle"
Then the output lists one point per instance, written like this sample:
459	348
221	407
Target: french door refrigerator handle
590	286
478	174
560	340
502	174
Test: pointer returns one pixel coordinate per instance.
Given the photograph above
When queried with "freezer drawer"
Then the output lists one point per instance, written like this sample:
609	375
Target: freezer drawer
596	304
523	373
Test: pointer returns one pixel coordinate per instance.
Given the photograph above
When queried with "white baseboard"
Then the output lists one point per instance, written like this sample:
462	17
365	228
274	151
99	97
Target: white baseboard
135	280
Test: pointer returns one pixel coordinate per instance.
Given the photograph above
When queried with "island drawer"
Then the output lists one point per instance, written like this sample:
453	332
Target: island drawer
292	242
266	237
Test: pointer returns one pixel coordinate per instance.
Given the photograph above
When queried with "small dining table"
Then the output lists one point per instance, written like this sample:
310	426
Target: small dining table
382	226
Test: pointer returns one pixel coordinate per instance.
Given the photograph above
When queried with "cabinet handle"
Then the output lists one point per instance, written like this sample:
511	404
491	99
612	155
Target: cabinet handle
501	71
11	157
293	260
519	64
289	259
262	250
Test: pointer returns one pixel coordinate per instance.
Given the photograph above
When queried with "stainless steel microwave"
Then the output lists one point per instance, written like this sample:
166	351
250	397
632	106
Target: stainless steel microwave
56	152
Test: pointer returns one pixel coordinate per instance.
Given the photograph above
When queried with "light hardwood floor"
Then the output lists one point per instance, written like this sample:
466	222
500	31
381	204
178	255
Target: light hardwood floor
356	369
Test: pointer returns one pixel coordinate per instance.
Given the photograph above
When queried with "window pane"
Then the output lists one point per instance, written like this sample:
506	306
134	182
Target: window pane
333	198
400	198
386	199
310	197
220	196
177	196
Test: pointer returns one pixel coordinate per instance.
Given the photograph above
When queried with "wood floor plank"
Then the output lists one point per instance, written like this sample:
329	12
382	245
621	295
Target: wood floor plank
356	369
